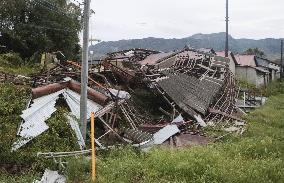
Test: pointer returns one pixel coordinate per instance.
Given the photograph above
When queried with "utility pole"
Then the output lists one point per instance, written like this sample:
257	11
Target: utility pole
92	52
227	29
84	71
281	61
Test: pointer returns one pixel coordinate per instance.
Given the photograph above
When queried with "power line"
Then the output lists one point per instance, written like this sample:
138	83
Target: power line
53	7
41	3
50	28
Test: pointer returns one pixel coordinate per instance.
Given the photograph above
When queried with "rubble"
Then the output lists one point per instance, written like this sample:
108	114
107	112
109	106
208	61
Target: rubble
43	106
16	79
249	99
196	88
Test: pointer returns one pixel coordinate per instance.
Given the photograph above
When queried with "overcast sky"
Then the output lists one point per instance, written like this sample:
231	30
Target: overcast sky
130	19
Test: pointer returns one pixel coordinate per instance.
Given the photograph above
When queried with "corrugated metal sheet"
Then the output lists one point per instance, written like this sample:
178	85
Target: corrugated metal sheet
178	119
39	103
75	126
165	133
73	101
42	108
34	117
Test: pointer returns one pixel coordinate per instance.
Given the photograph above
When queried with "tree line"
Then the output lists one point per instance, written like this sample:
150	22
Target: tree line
31	27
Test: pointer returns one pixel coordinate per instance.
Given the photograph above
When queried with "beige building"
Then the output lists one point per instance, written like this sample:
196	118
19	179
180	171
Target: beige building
256	70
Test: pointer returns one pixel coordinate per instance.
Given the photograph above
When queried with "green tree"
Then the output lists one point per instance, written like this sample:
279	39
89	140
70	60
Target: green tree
254	51
35	26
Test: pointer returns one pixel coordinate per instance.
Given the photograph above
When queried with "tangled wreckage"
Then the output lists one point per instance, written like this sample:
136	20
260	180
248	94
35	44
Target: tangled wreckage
139	97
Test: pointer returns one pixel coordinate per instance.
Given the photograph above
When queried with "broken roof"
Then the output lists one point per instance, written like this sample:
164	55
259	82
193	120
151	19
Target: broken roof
231	54
188	91
192	54
153	59
137	53
260	69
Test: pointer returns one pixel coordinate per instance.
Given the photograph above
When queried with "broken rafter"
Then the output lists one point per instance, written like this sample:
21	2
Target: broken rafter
214	111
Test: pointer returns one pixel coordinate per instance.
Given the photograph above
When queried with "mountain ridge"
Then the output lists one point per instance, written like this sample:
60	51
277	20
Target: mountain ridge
270	46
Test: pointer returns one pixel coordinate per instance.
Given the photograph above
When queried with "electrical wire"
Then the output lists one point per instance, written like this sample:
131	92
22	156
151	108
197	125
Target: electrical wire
52	7
49	28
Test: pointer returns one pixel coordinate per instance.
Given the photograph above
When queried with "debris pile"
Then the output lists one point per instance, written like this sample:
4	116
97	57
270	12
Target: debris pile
16	79
249	99
194	89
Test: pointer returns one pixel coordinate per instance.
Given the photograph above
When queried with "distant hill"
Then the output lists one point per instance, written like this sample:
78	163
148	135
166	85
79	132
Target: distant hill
270	46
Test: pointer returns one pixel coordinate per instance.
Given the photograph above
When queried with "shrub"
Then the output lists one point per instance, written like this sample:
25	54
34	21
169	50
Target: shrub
11	59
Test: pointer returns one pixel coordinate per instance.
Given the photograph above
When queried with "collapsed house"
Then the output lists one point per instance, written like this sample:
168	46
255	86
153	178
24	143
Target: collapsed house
197	83
196	89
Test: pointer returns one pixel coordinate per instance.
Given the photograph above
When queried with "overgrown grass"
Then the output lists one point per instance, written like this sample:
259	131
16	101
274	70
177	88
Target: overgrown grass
23	70
26	177
258	156
12	63
274	88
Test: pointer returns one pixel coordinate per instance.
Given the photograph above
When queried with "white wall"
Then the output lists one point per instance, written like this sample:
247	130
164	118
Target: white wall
250	75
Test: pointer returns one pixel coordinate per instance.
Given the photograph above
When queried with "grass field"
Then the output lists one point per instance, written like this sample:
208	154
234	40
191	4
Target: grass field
258	156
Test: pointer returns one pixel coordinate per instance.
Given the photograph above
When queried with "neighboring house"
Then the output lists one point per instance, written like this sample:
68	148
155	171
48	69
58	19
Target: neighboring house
232	58
253	75
256	70
247	69
273	68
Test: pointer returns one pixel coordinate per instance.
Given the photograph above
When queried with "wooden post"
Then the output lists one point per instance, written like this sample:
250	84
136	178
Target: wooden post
93	146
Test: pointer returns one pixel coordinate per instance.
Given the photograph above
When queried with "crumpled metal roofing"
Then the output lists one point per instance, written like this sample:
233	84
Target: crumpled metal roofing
165	133
75	126
42	108
73	101
34	118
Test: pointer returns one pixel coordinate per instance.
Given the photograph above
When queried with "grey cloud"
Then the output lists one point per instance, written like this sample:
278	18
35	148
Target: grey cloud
125	19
